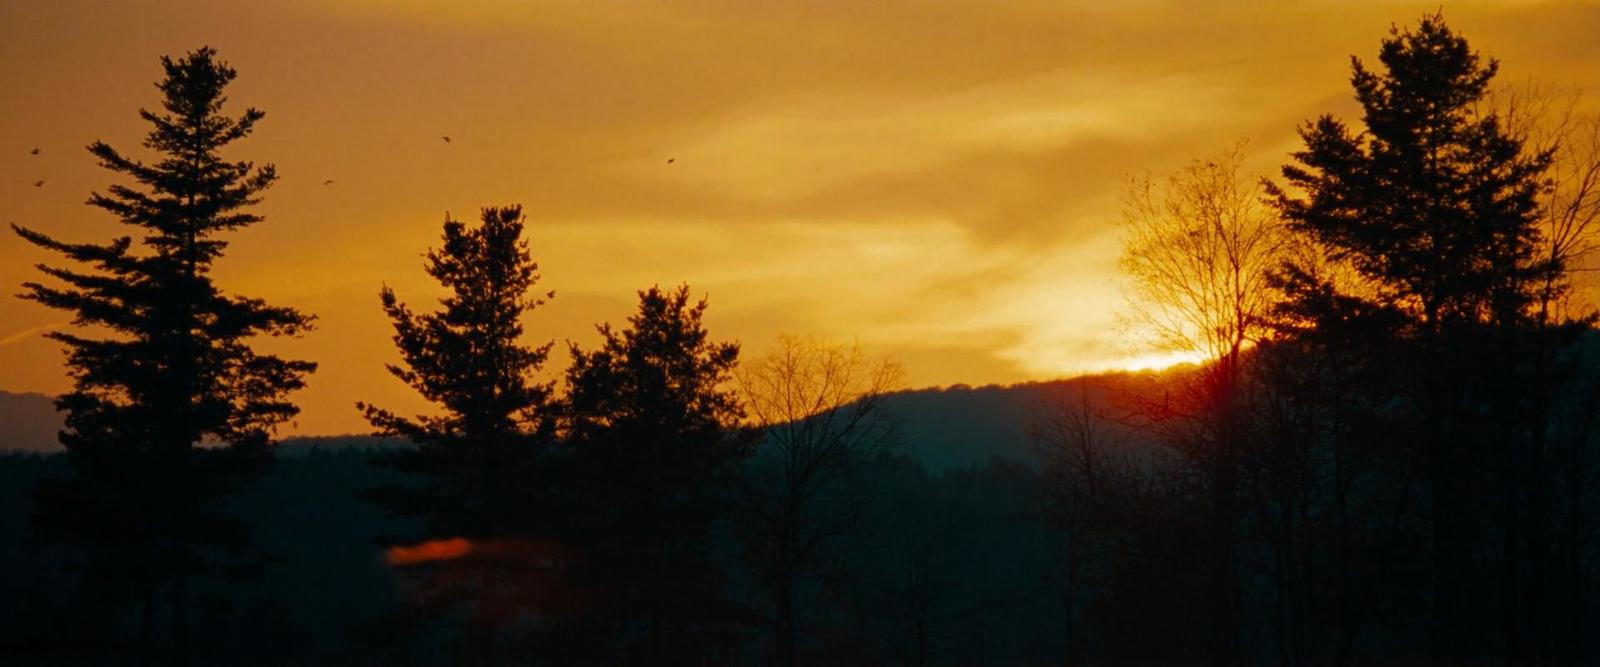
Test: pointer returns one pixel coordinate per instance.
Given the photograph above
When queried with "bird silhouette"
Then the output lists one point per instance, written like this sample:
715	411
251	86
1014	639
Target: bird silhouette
446	138
328	182
34	152
38	184
671	160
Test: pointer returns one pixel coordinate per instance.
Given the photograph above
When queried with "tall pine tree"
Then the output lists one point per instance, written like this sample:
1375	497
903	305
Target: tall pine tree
170	408
1435	206
653	426
480	456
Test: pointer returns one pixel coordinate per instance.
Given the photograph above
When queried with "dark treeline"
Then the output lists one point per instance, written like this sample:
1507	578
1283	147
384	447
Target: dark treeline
1389	456
1386	457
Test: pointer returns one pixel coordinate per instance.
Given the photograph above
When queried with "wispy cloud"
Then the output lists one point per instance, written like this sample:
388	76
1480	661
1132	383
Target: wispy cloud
30	332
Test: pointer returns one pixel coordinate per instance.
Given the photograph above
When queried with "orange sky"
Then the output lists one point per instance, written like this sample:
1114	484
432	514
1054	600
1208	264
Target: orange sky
938	180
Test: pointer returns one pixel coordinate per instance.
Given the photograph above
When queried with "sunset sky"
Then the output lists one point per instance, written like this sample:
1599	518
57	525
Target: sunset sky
939	181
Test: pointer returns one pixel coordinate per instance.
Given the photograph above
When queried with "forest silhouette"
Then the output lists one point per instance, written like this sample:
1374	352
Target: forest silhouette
1387	455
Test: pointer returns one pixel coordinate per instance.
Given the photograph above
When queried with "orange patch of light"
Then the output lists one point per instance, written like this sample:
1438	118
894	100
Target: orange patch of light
1158	361
425	552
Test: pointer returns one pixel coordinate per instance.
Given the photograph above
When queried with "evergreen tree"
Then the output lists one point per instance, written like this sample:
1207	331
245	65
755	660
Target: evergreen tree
480	456
1435	201
1434	205
653	427
171	408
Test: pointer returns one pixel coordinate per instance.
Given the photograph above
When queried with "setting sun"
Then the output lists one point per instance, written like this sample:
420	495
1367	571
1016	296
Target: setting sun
1158	361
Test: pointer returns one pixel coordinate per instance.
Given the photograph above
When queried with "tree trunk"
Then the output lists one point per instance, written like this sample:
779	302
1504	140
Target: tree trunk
483	625
1224	589
1069	594
1443	627
654	593
1225	650
180	620
147	621
786	621
1442	624
1341	499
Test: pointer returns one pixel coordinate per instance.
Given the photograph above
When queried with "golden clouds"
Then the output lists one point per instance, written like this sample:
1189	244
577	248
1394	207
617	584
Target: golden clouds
937	179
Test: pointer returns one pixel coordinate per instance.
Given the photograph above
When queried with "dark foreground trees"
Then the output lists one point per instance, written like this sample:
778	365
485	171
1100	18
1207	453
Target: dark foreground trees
171	409
655	437
482	458
1200	251
818	411
1389	456
1436	206
1396	453
574	529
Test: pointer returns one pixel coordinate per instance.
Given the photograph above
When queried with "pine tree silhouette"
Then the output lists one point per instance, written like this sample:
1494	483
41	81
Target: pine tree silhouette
481	456
173	409
653	429
1435	204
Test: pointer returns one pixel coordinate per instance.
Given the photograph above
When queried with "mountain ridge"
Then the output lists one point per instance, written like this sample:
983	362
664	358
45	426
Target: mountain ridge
949	427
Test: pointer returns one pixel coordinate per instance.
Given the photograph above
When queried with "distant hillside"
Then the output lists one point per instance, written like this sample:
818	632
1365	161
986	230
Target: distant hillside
962	426
944	429
28	423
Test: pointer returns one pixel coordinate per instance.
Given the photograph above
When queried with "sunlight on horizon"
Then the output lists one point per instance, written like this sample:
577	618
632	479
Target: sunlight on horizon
1157	361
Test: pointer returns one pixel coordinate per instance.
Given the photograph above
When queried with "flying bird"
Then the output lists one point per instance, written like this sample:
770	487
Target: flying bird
34	152
38	184
446	138
670	160
328	182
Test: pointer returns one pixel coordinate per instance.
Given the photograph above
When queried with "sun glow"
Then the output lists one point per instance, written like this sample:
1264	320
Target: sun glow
1157	361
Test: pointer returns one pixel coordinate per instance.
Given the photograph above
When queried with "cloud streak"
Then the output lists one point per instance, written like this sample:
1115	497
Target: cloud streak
30	332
